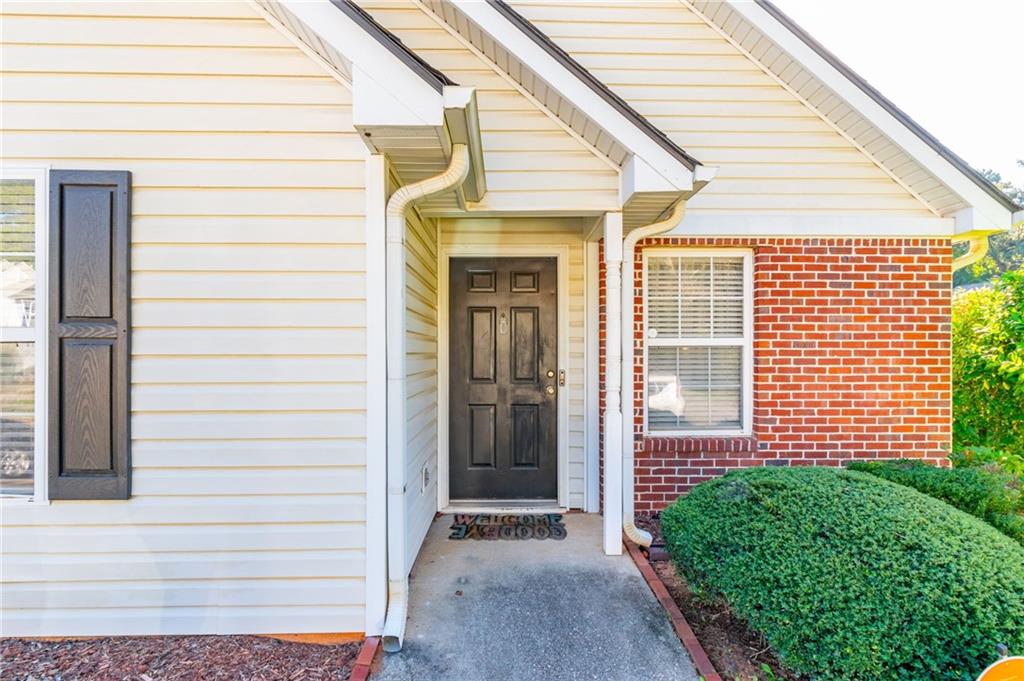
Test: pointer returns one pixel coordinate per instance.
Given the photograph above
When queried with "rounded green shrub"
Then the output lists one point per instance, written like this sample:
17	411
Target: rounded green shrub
849	576
986	493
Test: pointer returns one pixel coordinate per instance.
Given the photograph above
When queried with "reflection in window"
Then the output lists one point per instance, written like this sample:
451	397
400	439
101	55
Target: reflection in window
18	324
17	422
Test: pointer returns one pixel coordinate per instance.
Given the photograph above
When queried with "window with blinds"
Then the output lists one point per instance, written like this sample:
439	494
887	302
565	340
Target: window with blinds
698	326
22	332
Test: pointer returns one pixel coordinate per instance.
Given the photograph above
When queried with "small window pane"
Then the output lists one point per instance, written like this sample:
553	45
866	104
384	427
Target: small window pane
728	297
663	297
17	253
694	388
695	297
17	421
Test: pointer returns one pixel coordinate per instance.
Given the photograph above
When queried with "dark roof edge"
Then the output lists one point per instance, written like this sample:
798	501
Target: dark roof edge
897	113
593	83
428	73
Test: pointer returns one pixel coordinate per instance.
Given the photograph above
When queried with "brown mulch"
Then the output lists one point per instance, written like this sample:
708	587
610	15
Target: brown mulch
175	658
736	650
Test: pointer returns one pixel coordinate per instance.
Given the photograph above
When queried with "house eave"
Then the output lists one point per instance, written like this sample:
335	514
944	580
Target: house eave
885	103
964	187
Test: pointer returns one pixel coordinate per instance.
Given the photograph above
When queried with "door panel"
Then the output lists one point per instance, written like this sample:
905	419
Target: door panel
503	411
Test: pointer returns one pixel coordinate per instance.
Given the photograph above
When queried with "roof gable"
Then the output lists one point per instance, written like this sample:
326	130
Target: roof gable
929	139
721	88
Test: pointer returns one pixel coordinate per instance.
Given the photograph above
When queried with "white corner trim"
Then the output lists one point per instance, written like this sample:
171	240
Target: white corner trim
376	397
445	253
874	112
379	77
573	89
612	521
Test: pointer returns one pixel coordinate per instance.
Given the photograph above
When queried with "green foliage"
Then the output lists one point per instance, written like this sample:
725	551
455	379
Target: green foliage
968	457
988	366
852	577
987	493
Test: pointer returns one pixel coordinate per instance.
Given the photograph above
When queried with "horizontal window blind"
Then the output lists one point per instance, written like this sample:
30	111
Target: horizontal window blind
696	336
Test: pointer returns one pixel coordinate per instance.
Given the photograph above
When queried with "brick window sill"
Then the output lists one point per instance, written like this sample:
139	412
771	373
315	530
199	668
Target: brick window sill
710	445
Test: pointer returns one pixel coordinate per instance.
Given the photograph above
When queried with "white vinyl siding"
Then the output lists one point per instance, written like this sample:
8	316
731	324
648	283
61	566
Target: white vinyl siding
525	232
530	158
421	379
697	340
775	154
248	310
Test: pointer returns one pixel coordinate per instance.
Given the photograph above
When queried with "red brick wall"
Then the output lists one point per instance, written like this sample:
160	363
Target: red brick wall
851	360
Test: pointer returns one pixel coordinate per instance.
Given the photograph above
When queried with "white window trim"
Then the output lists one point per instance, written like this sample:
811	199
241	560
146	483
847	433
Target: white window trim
747	343
38	335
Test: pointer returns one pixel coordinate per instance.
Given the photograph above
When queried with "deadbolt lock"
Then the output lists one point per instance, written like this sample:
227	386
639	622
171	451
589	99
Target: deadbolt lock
551	373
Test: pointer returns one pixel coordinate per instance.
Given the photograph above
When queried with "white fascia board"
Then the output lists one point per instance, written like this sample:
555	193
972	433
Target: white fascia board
557	76
989	209
384	90
638	177
850	225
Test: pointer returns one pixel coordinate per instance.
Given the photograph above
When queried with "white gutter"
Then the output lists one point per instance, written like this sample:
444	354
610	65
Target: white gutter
628	400
398	582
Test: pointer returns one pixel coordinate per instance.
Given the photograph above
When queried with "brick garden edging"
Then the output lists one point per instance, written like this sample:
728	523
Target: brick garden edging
361	669
683	629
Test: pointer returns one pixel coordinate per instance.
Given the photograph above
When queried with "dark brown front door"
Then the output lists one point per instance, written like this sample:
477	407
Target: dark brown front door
503	420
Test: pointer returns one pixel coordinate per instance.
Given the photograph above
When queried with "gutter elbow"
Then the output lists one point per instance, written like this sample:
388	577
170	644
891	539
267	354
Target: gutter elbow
394	623
977	249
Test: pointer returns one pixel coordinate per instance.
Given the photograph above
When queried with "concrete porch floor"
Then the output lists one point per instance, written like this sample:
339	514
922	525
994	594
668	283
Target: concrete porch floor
553	610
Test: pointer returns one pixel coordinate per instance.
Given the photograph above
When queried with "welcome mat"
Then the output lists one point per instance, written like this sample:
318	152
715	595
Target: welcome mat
488	526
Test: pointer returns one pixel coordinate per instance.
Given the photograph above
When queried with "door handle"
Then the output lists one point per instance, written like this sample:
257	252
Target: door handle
550	390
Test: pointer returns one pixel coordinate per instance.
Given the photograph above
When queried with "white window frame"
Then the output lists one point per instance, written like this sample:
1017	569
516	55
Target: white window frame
37	335
747	377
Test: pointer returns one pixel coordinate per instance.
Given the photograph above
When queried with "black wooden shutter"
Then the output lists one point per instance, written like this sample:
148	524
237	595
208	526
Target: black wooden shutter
89	334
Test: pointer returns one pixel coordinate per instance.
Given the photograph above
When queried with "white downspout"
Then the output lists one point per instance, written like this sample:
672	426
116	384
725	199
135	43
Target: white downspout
628	400
398	583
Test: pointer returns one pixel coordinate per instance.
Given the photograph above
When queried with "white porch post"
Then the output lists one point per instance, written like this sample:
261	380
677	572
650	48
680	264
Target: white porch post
612	383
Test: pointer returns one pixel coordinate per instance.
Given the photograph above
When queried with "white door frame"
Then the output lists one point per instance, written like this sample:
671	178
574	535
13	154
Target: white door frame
445	253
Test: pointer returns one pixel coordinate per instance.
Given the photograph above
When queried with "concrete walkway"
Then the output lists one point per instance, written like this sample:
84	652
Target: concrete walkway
533	610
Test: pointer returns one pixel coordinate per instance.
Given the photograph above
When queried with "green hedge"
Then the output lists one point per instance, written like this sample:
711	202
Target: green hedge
988	366
852	577
991	495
